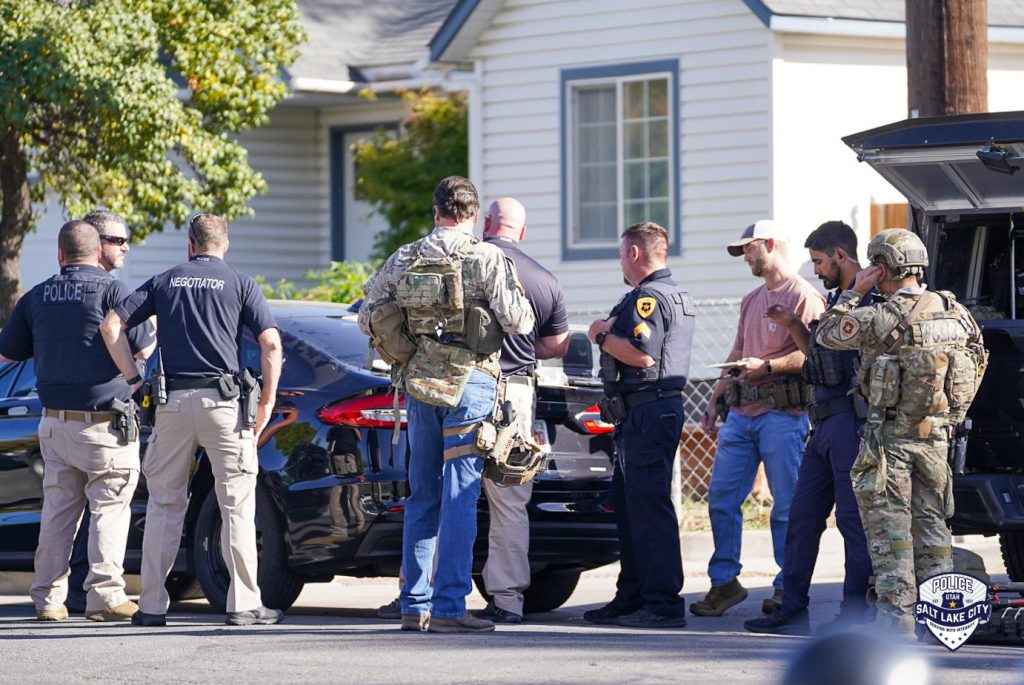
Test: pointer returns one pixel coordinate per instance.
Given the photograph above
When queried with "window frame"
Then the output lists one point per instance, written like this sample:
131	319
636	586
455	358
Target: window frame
616	75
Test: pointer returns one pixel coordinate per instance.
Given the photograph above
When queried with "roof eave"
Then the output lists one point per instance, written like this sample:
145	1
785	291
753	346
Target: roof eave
462	28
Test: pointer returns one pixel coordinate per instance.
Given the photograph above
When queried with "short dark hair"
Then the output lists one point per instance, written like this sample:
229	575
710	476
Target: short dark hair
830	235
455	198
207	231
103	219
78	240
651	238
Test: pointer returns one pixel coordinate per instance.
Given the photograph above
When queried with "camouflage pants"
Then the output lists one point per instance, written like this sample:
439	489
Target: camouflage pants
904	493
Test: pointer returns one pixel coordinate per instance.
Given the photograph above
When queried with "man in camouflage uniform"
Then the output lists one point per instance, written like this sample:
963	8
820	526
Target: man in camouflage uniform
450	388
921	361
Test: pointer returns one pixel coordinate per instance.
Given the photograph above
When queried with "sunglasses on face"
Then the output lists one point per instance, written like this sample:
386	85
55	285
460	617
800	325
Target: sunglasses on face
113	240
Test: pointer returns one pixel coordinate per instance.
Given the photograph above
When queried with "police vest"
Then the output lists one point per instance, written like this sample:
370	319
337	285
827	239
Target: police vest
830	368
68	350
673	362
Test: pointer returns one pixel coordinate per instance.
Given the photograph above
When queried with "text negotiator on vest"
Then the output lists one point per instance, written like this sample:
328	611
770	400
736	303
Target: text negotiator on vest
86	457
202	307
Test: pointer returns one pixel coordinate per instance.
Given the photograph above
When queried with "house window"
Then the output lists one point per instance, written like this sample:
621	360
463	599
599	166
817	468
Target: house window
620	157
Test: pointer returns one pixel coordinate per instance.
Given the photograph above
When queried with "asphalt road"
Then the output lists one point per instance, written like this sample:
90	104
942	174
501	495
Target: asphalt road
333	636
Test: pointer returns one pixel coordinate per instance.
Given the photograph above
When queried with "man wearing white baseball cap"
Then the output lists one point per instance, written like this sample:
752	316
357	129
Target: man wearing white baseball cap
767	419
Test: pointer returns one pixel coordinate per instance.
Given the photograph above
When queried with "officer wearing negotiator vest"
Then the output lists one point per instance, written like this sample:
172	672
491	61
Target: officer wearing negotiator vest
645	358
87	434
202	307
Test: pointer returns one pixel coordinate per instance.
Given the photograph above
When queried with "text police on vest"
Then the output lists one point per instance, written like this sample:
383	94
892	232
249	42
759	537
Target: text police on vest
63	292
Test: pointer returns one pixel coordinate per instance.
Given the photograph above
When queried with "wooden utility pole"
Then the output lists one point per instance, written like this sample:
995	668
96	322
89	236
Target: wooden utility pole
947	56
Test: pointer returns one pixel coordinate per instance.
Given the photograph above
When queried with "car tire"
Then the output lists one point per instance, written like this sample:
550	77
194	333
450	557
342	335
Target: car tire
549	589
182	586
279	585
1012	546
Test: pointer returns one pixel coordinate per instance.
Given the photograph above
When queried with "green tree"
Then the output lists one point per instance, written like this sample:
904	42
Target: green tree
340	282
398	175
133	105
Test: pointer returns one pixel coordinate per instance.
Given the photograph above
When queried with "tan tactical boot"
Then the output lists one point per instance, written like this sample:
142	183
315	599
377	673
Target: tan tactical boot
773	603
720	598
57	613
467	623
122	612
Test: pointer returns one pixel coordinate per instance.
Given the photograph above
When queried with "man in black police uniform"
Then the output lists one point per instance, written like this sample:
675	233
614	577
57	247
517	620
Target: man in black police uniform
201	307
507	571
114	249
645	345
90	453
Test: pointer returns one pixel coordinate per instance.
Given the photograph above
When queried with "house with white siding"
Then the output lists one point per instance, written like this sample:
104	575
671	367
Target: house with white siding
703	115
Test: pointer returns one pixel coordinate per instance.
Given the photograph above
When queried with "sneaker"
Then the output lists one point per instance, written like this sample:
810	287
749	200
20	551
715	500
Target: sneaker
141	618
122	612
720	598
647	619
608	614
467	623
417	622
498	615
773	603
260	616
393	609
57	613
781	623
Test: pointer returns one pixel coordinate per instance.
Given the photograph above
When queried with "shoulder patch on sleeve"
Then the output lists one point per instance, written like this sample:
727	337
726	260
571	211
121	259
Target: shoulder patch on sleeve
645	306
848	327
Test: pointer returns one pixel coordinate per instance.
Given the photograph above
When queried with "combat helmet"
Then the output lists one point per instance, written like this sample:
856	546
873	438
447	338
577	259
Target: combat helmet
900	250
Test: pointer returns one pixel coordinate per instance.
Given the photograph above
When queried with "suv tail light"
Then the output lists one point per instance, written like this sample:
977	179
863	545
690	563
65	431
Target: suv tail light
371	411
590	420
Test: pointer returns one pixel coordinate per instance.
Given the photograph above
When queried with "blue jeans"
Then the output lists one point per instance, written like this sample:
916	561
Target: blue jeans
775	438
441	510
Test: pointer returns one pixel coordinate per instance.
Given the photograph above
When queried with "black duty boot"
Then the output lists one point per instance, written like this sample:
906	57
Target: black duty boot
781	623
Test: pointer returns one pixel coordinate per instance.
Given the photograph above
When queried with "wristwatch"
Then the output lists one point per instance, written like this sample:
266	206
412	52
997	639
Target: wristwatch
768	366
600	337
135	379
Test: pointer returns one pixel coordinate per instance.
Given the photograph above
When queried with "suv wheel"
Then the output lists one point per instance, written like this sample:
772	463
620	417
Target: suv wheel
1012	546
279	585
549	589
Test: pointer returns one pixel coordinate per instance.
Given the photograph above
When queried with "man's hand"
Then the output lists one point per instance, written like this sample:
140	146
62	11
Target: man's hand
868	278
263	412
753	367
781	315
709	418
600	326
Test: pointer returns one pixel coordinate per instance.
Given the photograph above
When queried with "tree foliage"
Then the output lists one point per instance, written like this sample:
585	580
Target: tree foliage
340	282
398	175
133	105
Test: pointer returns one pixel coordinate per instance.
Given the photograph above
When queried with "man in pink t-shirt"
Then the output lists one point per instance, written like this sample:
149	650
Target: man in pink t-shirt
767	421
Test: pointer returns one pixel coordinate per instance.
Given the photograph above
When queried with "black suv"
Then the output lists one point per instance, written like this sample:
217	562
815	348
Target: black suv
959	175
330	493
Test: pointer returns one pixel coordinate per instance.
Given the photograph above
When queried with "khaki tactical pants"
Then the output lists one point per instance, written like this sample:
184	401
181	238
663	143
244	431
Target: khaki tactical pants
904	491
190	419
507	570
84	462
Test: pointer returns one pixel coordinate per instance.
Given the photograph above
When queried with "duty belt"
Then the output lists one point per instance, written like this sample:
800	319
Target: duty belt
192	383
633	399
83	416
791	393
819	411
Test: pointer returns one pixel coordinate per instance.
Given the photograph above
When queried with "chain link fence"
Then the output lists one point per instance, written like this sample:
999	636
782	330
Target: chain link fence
713	336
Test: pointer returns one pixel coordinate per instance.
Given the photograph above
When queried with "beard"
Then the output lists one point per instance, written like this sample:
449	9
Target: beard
830	282
757	266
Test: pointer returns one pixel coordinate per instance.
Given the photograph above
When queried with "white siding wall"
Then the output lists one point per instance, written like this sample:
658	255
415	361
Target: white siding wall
829	87
287	235
725	96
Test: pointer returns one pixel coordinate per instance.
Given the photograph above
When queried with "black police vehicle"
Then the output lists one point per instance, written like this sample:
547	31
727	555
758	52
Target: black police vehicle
331	486
959	174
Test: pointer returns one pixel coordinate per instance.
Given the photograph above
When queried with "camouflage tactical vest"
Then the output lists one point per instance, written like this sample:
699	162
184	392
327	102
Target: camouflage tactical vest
929	373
